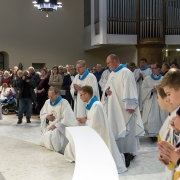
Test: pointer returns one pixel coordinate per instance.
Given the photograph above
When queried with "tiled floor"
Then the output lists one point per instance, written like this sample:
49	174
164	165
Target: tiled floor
22	159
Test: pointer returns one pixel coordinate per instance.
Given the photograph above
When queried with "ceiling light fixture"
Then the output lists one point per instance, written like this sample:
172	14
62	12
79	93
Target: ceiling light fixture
47	5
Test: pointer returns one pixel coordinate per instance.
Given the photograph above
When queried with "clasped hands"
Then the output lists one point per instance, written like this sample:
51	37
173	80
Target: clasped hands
168	153
51	118
76	87
82	120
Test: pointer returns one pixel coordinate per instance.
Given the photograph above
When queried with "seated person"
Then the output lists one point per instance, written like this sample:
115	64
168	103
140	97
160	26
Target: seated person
97	120
55	115
4	93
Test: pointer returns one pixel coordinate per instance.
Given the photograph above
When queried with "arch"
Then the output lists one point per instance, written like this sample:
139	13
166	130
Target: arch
5	59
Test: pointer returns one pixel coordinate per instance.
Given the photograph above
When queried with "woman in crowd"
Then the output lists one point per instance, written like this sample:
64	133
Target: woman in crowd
6	78
42	90
55	78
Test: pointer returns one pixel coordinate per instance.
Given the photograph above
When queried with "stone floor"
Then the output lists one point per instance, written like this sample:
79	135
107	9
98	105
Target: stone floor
22	159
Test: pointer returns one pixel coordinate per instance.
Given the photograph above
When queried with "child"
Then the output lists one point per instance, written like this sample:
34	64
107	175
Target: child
171	86
166	131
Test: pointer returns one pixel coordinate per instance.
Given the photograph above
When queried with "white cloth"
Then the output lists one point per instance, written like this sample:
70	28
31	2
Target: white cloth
79	105
136	74
153	116
124	96
64	116
97	120
145	73
166	134
104	78
4	93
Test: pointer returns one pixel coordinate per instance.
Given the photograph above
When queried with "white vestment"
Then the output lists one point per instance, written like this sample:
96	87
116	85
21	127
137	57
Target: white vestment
104	79
64	116
125	126
166	134
144	73
79	105
97	120
153	116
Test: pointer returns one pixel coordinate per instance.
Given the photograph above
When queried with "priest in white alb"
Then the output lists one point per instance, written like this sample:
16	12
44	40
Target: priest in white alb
145	71
153	116
97	119
84	77
122	108
55	115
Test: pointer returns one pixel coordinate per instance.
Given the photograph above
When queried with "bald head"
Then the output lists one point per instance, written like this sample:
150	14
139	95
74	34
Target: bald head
99	67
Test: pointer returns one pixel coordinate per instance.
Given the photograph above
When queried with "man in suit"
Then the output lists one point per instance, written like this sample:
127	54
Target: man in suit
67	83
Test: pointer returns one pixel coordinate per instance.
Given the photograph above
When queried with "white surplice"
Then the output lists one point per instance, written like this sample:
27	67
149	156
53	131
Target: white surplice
104	79
64	116
79	105
126	127
144	73
97	120
166	134
153	116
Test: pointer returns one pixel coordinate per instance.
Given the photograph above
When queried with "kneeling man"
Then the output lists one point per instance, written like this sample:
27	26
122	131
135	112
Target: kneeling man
97	120
55	115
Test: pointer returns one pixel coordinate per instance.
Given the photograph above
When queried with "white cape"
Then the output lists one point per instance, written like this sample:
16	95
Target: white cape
79	105
97	120
153	116
64	116
124	91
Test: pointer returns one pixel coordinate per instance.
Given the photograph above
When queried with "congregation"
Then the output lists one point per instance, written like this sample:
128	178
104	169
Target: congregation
121	102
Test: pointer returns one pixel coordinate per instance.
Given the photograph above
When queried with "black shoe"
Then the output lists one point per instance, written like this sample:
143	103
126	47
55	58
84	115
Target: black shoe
19	121
28	120
153	139
128	159
132	157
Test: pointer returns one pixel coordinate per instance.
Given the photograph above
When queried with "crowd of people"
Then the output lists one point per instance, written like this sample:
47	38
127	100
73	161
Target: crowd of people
121	103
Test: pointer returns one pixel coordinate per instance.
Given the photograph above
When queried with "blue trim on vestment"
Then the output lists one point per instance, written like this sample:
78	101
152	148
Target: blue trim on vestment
143	69
119	68
92	101
154	78
56	102
109	70
84	75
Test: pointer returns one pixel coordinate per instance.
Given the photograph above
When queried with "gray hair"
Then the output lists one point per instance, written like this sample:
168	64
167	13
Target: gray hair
32	68
55	89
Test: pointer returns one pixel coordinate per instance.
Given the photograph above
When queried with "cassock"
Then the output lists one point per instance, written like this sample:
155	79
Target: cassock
97	120
126	127
153	116
104	78
145	72
86	79
64	116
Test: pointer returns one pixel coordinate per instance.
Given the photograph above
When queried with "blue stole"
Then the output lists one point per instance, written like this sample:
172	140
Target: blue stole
143	69
119	68
56	102
92	101
84	75
156	78
109	70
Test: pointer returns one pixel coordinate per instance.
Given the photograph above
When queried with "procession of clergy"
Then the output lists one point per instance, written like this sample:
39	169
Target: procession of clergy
128	109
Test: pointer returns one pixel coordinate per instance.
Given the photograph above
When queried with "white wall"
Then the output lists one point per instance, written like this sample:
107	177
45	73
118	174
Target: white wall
27	36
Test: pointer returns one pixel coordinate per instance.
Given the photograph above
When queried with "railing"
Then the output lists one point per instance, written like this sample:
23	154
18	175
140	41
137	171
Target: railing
173	17
121	16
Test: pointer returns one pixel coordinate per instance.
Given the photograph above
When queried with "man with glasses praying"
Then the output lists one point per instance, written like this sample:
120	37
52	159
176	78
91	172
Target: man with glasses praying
84	77
55	115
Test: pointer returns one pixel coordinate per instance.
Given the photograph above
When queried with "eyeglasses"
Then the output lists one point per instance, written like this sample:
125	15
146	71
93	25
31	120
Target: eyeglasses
109	63
82	94
79	67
